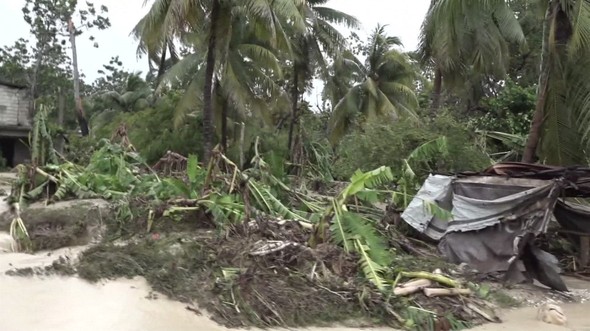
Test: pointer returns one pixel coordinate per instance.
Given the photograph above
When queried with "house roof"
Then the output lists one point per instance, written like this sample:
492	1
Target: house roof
10	84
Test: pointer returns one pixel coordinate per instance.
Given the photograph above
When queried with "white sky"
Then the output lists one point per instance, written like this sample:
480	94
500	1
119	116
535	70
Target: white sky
403	18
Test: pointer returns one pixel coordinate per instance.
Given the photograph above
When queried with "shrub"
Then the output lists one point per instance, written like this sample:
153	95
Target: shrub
389	144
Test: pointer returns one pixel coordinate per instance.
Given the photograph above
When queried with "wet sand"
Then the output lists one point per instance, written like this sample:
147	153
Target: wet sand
578	316
71	304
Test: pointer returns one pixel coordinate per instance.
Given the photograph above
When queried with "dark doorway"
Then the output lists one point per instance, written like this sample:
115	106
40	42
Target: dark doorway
7	149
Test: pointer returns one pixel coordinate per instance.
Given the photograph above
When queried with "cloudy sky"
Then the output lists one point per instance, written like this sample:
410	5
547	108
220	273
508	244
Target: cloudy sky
403	18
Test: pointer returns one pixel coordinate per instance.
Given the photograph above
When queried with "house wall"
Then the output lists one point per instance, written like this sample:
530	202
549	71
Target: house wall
14	107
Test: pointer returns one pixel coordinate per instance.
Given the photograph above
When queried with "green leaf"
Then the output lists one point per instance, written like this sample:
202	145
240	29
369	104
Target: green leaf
192	168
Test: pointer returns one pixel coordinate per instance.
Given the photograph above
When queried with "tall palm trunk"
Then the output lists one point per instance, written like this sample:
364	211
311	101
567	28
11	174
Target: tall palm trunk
208	133
436	91
224	115
35	76
294	105
79	108
537	121
224	126
162	65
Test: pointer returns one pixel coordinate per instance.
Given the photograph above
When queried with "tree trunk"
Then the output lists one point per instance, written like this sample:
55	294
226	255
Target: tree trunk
537	121
295	105
161	67
79	108
208	133
436	91
61	106
34	80
242	158
224	111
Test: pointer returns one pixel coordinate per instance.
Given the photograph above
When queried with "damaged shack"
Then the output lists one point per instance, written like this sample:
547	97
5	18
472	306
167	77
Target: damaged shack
491	219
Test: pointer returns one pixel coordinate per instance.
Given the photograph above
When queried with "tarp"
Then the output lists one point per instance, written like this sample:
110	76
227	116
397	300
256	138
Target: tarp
477	203
492	223
573	216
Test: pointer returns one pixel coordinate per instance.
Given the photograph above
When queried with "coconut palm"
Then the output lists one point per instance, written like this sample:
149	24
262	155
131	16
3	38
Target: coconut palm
169	18
462	38
386	89
137	95
560	129
313	47
341	76
245	75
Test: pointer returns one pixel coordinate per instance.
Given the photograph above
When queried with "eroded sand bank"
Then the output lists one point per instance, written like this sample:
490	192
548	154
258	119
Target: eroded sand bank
58	303
71	304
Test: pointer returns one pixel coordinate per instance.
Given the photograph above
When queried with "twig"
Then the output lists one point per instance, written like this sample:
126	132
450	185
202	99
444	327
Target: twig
268	306
335	293
312	273
273	246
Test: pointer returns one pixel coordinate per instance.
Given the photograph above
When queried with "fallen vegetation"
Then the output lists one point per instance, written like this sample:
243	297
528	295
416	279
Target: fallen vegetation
249	248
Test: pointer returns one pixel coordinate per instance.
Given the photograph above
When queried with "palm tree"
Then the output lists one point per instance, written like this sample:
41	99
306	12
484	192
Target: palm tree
169	18
245	75
311	48
165	21
341	76
385	90
461	38
137	95
560	129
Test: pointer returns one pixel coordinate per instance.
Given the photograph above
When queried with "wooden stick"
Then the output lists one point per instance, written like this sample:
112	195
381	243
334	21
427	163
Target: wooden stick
437	292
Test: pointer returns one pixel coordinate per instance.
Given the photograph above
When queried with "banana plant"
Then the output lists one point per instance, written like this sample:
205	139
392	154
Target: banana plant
354	231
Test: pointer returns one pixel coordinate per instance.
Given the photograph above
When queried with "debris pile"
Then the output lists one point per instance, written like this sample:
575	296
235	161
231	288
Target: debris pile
247	245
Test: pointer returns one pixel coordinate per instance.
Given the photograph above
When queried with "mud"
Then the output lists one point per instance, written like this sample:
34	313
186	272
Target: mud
525	319
57	303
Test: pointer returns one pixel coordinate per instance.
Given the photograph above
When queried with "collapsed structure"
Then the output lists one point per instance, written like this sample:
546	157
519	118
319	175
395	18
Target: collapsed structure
495	216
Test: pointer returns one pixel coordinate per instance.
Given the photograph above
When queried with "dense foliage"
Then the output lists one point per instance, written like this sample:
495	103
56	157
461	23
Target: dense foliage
365	82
